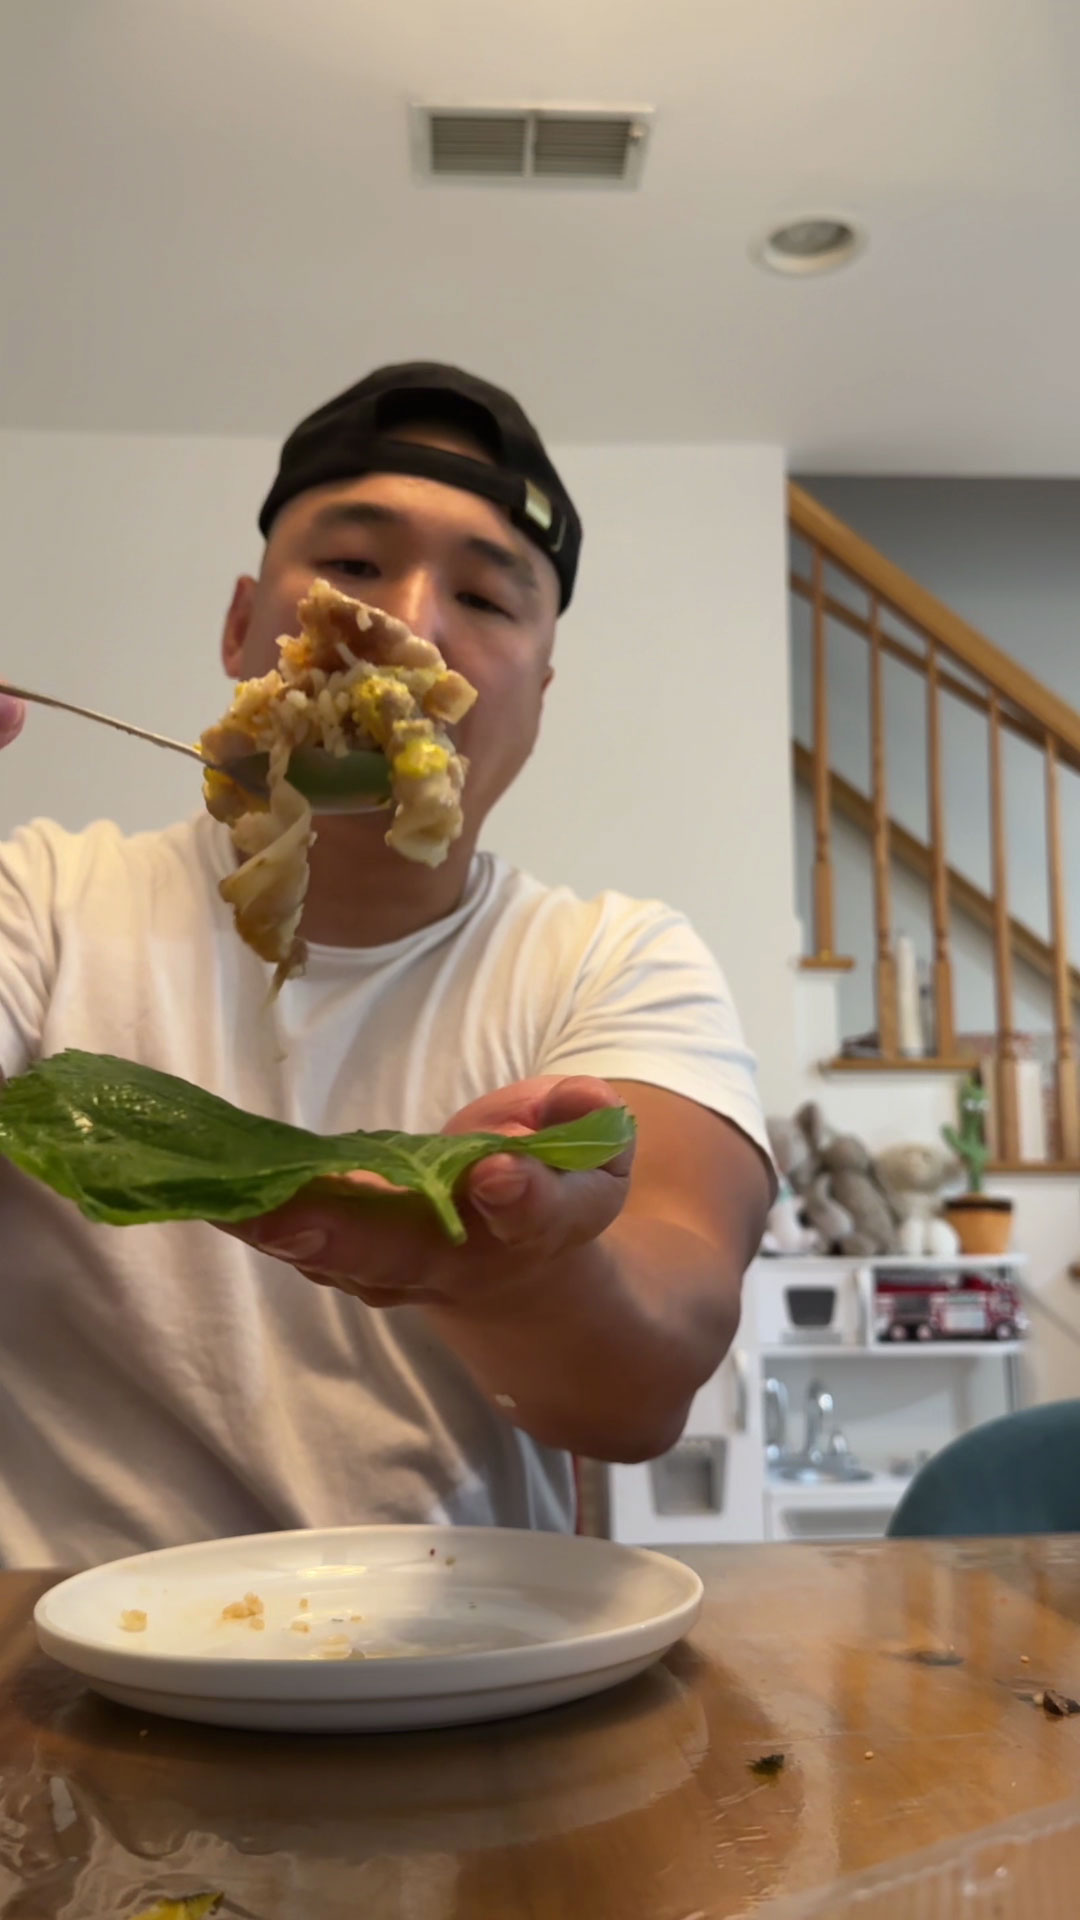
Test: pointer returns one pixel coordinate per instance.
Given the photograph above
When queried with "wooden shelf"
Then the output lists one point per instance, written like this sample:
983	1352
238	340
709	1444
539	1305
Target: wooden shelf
845	1063
1014	1167
826	963
934	1263
841	1263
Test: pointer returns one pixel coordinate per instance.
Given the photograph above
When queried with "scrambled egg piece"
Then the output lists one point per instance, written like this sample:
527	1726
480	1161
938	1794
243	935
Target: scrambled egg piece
249	1608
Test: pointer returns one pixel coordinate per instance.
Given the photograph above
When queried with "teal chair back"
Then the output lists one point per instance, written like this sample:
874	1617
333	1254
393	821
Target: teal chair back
1016	1475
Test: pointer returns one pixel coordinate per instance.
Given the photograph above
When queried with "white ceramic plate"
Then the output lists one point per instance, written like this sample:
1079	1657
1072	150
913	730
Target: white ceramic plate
369	1628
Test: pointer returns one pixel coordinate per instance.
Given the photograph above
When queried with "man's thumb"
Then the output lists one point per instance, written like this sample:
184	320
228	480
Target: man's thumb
12	716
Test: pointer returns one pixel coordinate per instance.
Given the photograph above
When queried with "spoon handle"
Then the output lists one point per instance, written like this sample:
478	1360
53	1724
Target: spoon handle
103	719
355	783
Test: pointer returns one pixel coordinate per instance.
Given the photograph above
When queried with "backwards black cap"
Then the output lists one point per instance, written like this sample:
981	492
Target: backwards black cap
353	435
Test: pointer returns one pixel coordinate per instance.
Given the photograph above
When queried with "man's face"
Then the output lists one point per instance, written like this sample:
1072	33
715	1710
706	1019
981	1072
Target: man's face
449	564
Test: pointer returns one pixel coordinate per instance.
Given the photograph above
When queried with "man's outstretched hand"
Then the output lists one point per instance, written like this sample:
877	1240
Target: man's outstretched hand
389	1251
589	1307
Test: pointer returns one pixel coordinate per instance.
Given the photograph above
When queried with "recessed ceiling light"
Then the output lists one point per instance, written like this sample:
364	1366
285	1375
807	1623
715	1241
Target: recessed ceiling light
815	243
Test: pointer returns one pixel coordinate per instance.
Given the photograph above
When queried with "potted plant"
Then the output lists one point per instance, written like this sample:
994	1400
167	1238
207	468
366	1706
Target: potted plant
983	1221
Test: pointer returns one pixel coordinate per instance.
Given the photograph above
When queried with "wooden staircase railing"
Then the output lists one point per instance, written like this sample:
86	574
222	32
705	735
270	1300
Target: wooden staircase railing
848	803
902	622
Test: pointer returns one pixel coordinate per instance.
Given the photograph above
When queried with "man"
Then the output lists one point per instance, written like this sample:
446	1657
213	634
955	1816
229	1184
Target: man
334	1363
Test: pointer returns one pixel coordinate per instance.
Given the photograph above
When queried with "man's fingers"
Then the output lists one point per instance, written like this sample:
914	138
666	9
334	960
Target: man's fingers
363	1235
532	1207
573	1097
544	1101
12	716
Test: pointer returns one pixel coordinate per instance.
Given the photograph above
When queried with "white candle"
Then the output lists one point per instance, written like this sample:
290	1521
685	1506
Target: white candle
907	999
1031	1110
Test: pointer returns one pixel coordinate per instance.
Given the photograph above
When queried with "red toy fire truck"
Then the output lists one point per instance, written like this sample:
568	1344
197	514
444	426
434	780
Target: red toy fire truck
909	1305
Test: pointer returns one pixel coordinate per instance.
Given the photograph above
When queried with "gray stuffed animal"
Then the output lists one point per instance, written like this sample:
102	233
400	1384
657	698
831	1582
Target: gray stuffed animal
796	1157
792	1152
846	1178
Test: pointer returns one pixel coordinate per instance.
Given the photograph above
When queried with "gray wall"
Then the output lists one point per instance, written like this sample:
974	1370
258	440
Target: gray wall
1003	553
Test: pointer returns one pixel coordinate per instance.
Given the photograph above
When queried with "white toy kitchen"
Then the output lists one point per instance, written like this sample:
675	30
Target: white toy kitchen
844	1377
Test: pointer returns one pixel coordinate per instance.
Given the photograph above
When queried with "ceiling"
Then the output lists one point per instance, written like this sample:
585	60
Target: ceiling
215	223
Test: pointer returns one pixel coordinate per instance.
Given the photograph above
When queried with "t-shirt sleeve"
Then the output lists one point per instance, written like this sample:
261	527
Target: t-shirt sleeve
27	945
651	1004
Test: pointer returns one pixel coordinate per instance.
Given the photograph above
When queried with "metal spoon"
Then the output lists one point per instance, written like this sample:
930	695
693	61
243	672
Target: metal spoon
334	783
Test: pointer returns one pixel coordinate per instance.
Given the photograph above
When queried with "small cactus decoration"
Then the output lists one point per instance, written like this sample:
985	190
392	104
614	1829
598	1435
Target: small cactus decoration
968	1140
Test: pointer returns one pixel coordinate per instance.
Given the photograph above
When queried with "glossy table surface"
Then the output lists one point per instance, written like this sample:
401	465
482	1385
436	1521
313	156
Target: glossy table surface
898	1680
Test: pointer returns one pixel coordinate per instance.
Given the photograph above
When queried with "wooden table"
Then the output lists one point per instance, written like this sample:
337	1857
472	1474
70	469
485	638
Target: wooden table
639	1805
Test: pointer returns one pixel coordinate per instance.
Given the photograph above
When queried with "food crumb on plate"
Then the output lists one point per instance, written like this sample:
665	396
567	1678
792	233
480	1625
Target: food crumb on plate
305	1605
133	1620
301	1626
257	1623
246	1609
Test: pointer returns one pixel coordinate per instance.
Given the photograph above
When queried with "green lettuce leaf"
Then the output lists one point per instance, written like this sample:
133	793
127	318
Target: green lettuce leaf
130	1145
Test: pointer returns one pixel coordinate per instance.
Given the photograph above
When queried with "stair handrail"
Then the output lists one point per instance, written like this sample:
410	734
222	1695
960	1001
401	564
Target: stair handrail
922	609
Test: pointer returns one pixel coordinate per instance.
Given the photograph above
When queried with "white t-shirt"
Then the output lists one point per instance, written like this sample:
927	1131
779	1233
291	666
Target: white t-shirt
162	1384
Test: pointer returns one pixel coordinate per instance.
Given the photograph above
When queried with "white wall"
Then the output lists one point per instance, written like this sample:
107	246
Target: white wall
119	554
1005	555
663	766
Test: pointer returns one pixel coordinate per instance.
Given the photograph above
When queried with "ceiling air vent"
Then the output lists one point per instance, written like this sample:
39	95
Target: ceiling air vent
580	149
534	145
484	143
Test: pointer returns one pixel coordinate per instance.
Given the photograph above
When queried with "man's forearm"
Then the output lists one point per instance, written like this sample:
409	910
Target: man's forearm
602	1352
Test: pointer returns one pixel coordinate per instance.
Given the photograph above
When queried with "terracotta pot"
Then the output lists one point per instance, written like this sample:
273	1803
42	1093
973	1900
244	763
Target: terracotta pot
983	1222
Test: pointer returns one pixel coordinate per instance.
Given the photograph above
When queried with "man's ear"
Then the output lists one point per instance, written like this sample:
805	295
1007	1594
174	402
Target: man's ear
547	680
237	622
